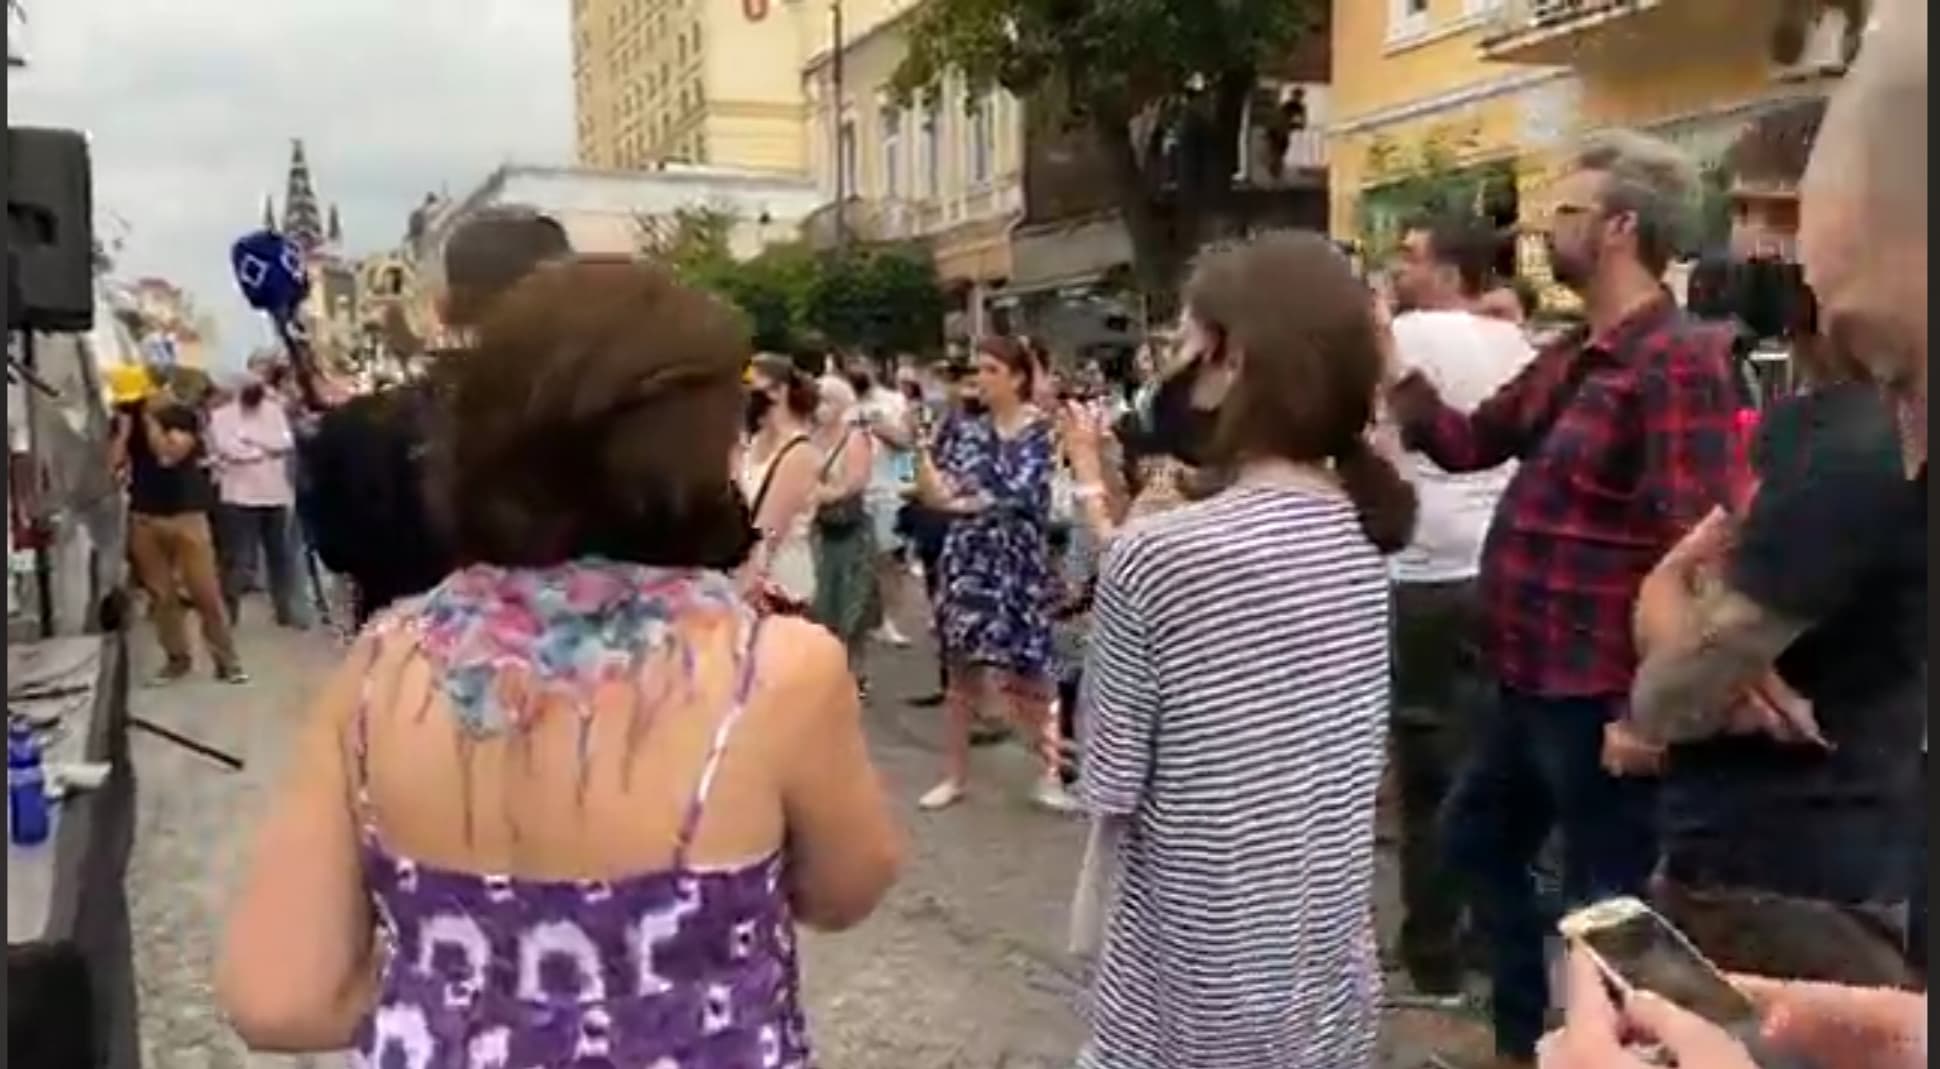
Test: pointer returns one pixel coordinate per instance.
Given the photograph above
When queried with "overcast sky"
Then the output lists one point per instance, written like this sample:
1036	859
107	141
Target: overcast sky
191	104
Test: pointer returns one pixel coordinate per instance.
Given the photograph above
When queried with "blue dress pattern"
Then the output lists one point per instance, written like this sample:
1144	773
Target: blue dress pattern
996	584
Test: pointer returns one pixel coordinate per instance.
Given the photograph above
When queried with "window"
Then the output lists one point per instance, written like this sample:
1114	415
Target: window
845	160
983	124
697	38
933	150
892	151
1407	18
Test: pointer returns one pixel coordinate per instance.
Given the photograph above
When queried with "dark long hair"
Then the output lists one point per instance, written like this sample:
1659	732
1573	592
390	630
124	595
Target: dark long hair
1303	326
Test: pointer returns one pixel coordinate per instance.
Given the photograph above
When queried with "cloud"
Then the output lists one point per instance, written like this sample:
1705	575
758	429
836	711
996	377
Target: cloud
190	106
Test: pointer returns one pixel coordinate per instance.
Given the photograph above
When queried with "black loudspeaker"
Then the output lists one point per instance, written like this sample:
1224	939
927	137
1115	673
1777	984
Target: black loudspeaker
50	231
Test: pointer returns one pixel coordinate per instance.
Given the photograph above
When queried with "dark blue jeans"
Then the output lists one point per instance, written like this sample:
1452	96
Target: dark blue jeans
1536	766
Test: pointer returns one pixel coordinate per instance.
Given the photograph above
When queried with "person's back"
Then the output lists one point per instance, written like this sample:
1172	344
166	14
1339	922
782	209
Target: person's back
618	862
1264	612
1237	694
581	791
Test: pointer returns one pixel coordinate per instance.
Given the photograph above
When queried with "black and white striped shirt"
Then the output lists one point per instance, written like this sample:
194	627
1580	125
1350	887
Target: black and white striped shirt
1236	715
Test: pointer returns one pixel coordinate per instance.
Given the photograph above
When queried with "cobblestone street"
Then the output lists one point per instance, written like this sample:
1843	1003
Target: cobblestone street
962	967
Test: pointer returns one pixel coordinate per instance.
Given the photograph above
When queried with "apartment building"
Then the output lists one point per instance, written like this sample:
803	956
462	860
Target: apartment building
1503	87
700	81
945	171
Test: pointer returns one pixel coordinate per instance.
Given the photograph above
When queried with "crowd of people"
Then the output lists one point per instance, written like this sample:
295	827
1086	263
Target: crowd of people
597	747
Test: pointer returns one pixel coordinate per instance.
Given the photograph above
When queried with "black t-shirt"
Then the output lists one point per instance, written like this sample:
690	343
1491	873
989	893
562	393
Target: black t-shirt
1837	536
157	490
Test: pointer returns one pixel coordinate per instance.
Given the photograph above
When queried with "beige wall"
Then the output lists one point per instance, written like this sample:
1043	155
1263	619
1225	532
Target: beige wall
698	80
947	166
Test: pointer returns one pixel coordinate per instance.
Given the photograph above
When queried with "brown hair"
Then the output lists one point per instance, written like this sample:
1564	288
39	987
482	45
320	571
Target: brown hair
490	252
799	391
595	418
1016	357
1302	325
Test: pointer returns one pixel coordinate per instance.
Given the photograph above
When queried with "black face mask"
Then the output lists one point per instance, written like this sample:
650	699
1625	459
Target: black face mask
252	395
1174	428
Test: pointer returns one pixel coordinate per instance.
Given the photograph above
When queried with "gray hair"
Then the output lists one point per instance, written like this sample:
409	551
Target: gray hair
1651	179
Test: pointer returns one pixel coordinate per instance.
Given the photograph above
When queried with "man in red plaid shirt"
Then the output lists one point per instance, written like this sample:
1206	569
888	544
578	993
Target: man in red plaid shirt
1626	436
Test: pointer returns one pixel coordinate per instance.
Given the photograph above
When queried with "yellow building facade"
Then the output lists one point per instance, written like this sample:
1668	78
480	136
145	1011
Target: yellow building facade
701	81
947	172
1512	84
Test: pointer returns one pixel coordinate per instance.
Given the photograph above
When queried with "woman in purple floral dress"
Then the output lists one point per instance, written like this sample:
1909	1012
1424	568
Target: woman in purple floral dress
567	808
992	472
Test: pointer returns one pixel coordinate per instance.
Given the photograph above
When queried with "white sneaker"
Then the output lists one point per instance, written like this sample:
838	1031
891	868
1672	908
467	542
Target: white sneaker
942	796
888	635
1051	795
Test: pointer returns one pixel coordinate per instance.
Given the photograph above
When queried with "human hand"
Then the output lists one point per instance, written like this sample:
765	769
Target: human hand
1839	1027
1625	753
1080	427
1769	706
1597	1035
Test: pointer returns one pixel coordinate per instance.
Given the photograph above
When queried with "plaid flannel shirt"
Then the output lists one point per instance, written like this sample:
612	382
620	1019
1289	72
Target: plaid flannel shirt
1626	440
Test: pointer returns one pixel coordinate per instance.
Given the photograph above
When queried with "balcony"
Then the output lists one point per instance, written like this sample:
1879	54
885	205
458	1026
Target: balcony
1555	31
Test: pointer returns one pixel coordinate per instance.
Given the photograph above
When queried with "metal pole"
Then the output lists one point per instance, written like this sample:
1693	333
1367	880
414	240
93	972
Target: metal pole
43	533
841	150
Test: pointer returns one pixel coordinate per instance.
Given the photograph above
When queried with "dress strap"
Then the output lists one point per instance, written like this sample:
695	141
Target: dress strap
743	685
360	742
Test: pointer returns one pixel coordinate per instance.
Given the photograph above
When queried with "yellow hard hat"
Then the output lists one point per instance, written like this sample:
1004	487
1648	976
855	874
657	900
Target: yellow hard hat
128	383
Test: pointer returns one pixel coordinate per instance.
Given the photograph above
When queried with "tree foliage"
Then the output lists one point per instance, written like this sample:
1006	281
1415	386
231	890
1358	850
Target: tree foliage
874	298
1161	85
1425	179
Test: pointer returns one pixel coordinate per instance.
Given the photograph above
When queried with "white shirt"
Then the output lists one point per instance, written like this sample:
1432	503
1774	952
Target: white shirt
1467	358
251	450
891	468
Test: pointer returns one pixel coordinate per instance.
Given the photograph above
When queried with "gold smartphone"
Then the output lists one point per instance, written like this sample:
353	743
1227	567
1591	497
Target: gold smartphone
1636	949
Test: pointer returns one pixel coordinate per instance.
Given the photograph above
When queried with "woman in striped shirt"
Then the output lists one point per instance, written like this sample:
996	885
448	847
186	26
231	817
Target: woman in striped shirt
1236	693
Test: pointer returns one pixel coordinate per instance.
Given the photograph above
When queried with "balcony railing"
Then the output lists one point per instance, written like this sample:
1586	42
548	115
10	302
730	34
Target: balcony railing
1541	31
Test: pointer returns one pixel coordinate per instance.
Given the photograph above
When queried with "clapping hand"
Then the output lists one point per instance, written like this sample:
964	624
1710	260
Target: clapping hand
1081	429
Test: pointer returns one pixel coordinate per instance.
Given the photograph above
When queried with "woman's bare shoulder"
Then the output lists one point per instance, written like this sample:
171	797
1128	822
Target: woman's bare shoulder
800	664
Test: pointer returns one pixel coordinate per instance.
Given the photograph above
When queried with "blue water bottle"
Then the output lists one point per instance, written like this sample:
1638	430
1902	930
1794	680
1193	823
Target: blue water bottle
27	814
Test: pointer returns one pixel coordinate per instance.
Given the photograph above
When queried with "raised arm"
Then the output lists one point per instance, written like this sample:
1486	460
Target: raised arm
1505	427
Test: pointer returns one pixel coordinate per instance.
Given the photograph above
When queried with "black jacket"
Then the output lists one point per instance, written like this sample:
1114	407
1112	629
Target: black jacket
365	502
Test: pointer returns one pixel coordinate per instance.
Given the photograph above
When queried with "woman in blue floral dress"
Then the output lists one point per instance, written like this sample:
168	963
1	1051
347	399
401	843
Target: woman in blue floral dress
992	471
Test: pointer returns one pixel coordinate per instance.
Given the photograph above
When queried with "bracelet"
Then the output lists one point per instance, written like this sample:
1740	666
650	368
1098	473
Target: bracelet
1088	491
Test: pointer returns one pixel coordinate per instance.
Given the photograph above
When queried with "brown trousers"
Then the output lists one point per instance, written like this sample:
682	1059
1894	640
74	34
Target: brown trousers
176	553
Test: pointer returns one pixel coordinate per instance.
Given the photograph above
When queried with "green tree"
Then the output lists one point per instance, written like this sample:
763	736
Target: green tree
1423	179
1142	76
876	298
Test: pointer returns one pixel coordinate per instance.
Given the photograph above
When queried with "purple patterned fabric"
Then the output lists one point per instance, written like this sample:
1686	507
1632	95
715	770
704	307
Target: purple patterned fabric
680	969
